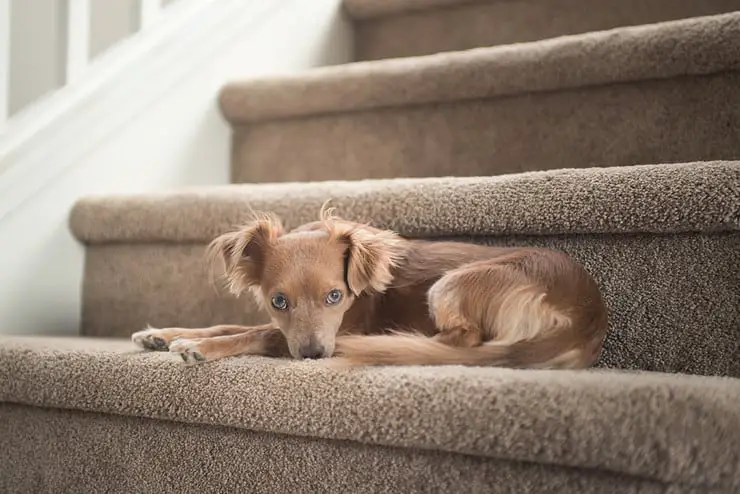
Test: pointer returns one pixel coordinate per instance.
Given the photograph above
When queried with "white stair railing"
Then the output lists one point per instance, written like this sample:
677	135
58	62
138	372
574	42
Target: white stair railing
74	45
77	31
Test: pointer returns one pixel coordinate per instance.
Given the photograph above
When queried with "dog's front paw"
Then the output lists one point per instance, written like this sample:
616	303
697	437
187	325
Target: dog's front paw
151	339
188	350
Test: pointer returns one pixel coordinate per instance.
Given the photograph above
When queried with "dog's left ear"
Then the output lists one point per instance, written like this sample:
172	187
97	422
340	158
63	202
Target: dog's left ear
371	255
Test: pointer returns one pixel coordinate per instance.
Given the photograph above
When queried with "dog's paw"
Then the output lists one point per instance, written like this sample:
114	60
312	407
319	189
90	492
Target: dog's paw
188	350
150	339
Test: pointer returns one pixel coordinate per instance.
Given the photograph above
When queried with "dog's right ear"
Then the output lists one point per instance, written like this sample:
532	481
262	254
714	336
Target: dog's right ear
242	252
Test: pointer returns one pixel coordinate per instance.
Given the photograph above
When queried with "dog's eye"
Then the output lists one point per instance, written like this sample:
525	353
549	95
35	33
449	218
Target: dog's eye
279	301
333	297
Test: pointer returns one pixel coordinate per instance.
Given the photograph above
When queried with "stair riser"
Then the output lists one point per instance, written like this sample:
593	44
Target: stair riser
494	23
692	330
654	121
170	287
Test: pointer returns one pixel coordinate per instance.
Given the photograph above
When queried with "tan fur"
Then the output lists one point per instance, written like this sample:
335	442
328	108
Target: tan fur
240	251
402	301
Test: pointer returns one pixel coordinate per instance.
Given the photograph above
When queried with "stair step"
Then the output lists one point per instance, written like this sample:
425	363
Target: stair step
662	240
404	28
637	95
245	422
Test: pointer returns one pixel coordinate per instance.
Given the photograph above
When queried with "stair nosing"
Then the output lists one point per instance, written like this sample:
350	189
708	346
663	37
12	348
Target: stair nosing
636	53
698	197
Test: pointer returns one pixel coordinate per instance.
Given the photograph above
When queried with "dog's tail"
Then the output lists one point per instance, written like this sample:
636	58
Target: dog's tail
543	352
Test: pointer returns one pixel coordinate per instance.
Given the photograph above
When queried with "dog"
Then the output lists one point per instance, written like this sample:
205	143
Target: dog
336	288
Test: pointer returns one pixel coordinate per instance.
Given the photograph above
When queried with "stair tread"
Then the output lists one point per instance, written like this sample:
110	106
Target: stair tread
549	417
369	9
696	46
663	198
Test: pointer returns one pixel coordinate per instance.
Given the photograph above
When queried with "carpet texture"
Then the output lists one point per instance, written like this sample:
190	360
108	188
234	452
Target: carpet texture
117	454
664	198
648	94
674	120
662	241
395	28
697	46
667	429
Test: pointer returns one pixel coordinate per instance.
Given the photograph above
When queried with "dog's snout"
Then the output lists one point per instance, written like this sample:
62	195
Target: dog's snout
312	351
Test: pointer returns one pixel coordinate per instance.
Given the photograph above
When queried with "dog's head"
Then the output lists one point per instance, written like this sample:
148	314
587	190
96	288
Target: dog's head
309	277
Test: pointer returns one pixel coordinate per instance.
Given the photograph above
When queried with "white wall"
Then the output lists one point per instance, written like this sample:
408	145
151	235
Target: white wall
181	141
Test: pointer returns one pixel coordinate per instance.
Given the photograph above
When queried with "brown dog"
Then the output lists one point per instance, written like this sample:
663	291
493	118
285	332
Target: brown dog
338	288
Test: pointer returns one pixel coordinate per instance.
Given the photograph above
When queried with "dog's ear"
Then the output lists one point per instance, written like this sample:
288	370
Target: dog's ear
242	252
371	255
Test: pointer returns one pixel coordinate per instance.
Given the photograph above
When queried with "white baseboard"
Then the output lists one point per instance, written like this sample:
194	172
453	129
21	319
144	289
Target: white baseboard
56	132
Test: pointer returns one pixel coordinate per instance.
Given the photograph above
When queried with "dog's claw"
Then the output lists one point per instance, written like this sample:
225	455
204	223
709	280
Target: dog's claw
148	340
187	350
159	343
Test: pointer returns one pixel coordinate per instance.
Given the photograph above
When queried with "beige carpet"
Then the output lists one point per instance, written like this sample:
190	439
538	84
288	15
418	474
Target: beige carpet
663	242
638	95
496	426
405	28
119	454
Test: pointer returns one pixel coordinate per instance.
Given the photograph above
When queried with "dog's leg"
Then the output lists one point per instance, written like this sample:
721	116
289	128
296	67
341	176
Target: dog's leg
160	339
448	300
489	300
465	336
262	340
494	303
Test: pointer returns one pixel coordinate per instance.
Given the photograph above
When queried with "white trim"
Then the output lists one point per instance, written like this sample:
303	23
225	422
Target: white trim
53	133
149	11
77	31
4	62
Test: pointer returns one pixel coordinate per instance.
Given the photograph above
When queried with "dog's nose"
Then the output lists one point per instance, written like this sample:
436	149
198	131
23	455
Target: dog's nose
311	351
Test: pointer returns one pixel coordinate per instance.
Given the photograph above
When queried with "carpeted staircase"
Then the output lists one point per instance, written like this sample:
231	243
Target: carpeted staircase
620	147
637	95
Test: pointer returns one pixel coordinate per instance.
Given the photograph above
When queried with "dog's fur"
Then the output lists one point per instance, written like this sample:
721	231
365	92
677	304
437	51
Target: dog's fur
402	301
